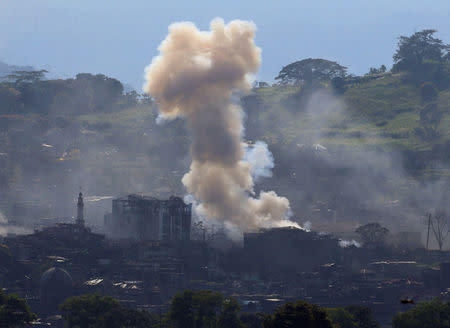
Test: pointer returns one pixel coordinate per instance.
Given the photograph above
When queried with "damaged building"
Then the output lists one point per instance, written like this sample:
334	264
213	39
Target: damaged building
148	218
288	249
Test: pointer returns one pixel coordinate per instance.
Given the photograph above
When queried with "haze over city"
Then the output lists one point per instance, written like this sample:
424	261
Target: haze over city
230	165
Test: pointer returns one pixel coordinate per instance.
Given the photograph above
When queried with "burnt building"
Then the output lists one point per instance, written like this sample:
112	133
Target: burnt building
288	250
148	218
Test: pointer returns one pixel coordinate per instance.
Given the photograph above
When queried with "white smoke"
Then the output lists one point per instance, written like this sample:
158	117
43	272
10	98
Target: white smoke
3	219
195	77
307	225
347	243
260	159
6	228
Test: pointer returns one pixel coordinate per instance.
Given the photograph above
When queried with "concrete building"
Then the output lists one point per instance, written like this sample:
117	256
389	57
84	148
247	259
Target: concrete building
148	218
289	249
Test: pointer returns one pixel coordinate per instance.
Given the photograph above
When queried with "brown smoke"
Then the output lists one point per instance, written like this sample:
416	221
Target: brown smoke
195	76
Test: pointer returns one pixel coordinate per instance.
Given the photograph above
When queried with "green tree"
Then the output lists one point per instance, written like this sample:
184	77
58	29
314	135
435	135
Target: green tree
341	318
372	234
432	314
430	118
310	71
95	311
19	77
428	92
363	316
298	314
338	84
203	309
102	91
10	102
252	320
14	311
424	58
380	70
414	50
228	317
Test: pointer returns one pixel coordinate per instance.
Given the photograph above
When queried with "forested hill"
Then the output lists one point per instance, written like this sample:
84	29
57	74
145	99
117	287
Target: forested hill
88	125
382	111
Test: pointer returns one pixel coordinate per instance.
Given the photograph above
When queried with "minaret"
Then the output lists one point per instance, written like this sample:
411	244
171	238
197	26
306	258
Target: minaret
80	211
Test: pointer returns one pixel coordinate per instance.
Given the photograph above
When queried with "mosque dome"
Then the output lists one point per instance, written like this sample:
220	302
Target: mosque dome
56	286
56	278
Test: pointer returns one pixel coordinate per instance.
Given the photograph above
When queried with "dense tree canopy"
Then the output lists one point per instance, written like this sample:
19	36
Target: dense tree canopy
203	309
19	77
14	311
372	234
103	312
310	71
27	92
416	49
298	314
433	314
424	58
352	317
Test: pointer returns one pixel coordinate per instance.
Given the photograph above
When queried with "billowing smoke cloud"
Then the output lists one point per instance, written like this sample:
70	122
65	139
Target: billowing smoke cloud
195	77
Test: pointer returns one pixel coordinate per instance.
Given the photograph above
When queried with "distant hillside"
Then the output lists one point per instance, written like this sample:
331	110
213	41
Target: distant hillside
382	113
347	149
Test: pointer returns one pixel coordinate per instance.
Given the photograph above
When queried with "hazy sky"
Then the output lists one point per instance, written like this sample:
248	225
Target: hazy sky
119	38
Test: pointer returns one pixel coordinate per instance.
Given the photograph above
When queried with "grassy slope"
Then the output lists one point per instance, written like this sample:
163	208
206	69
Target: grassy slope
382	113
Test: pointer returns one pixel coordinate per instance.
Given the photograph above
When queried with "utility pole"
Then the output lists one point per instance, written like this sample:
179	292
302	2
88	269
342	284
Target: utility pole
429	223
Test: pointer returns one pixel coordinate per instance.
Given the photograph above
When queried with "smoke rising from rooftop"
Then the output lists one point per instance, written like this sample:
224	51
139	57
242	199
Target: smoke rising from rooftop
195	77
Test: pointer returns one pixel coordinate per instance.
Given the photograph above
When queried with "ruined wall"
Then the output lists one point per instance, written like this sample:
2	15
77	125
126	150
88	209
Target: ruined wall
148	218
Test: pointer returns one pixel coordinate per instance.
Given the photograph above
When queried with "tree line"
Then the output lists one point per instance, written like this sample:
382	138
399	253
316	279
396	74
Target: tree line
209	309
420	59
30	92
421	56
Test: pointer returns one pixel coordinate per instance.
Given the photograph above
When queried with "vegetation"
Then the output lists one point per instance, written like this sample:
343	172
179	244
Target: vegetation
310	71
424	58
298	314
14	311
440	225
432	314
203	309
20	77
372	234
209	309
352	317
103	312
88	123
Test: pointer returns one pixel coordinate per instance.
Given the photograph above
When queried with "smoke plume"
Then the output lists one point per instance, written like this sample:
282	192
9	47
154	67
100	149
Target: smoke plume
6	228
195	77
260	159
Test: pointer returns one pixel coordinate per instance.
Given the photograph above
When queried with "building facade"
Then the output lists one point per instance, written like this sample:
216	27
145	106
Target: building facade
148	218
288	249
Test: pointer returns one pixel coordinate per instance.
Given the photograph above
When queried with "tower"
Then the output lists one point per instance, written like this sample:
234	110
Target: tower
80	211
